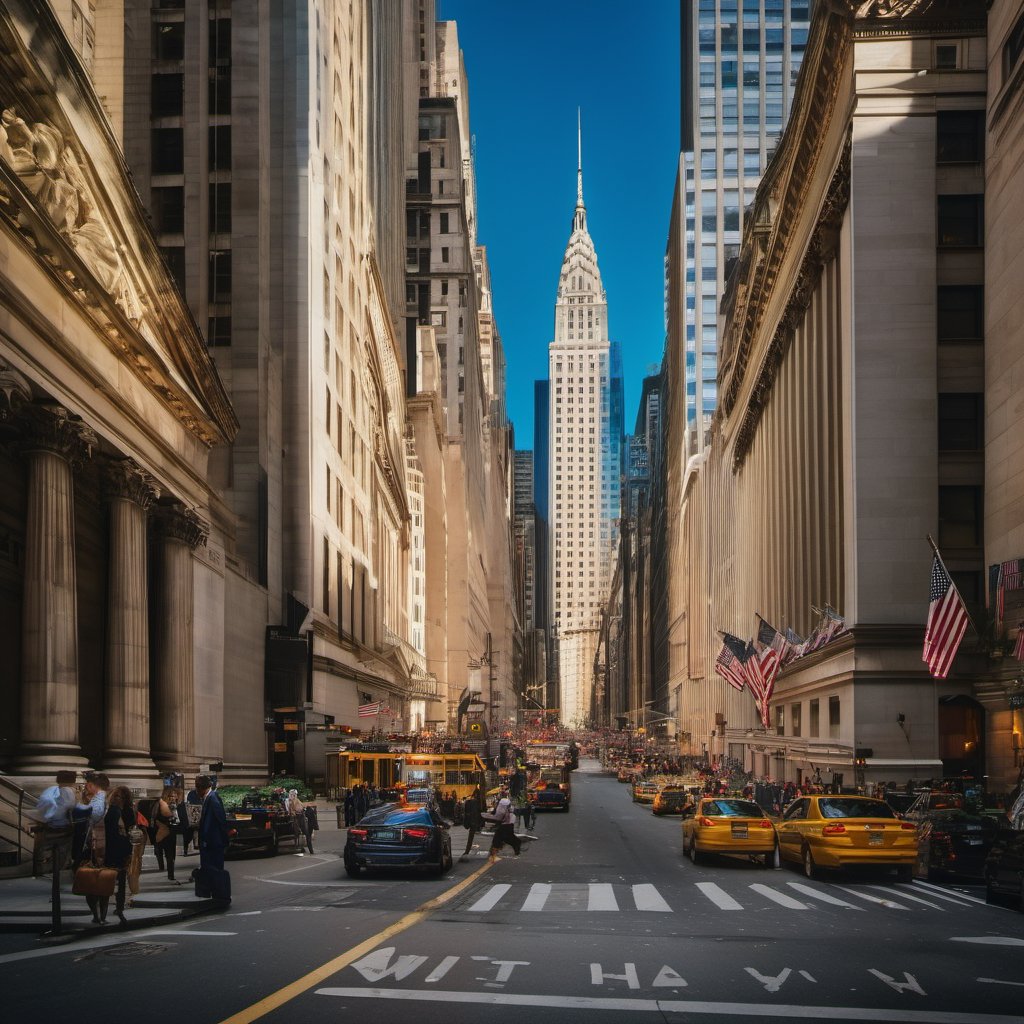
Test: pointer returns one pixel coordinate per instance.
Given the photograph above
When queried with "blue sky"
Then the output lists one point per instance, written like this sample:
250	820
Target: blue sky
530	63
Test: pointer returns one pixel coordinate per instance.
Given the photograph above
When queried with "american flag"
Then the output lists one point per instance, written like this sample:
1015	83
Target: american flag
1018	647
769	636
369	710
795	647
947	622
1011	577
729	663
761	672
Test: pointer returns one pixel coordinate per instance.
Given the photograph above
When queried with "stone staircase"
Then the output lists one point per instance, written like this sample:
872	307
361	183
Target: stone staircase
15	837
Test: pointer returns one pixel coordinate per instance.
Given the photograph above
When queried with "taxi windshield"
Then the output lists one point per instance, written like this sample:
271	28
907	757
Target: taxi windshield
733	809
851	807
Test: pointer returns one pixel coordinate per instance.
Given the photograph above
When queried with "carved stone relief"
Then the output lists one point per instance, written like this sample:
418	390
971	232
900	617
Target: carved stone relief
51	427
125	478
176	521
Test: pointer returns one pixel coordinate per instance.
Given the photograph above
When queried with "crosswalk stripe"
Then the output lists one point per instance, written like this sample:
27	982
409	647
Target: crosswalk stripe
538	896
779	897
933	890
825	897
873	899
718	896
647	897
916	899
601	897
490	898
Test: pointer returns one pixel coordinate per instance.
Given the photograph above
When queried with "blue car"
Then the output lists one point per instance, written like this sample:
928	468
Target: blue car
396	836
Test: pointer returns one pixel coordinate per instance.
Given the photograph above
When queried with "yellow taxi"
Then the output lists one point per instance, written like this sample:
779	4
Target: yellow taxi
671	800
728	825
828	831
644	791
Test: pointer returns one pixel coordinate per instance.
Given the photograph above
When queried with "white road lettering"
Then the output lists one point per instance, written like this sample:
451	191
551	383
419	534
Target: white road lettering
997	981
988	940
442	968
597	976
667	978
804	974
770	984
377	966
910	985
506	967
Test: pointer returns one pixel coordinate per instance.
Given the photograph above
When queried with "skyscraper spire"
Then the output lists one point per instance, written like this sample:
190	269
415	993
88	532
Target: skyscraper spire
579	158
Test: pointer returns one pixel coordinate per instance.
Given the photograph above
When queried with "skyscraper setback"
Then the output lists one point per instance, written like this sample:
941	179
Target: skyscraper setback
585	444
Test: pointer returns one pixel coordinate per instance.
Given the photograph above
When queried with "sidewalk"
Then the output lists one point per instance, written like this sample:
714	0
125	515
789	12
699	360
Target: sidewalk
25	906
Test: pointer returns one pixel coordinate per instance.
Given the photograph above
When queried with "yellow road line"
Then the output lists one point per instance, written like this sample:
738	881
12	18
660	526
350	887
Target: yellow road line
277	999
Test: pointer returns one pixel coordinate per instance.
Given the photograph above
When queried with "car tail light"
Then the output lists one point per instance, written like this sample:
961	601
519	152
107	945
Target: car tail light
357	833
908	826
835	829
233	832
765	823
417	833
705	821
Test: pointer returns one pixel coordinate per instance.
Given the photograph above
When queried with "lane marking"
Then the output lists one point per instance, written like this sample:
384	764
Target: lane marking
312	885
647	897
489	899
105	940
779	897
825	897
916	899
317	860
988	940
320	974
601	896
718	896
872	899
729	1010
998	981
538	896
940	893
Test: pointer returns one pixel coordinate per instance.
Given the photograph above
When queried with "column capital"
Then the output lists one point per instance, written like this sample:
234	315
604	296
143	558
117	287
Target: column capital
52	428
178	522
15	392
125	478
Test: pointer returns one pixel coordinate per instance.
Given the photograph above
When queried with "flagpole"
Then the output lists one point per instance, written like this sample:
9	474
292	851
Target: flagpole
935	548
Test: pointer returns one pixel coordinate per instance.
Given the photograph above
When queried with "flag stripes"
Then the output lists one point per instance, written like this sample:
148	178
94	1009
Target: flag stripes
947	622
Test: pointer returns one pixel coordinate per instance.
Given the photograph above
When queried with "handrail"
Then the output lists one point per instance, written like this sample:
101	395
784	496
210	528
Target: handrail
19	807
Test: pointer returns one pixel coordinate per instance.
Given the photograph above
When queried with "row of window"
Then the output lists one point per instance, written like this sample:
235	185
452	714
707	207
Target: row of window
813	716
167	149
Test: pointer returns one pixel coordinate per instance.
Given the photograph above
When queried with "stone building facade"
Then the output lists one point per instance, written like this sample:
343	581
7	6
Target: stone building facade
839	444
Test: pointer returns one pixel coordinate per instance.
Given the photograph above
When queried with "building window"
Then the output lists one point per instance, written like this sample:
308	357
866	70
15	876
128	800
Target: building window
961	422
780	721
220	42
218	333
220	208
219	91
960	313
444	223
960	136
813	723
167	207
961	221
833	717
960	517
1013	48
794	718
220	147
444	253
168	146
166	95
169	40
174	257
220	275
946	56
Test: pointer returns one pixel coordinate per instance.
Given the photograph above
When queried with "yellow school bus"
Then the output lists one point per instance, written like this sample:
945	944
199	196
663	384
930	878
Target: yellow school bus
461	772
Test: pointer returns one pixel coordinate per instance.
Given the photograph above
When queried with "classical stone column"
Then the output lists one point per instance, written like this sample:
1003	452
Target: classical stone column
55	440
129	492
179	531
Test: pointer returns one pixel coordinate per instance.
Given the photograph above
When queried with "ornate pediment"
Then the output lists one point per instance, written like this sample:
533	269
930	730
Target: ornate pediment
892	8
66	191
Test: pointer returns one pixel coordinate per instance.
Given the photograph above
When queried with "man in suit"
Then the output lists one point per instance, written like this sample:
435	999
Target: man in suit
213	826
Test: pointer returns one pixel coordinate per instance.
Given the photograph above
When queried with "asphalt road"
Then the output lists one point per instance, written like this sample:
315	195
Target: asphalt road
601	918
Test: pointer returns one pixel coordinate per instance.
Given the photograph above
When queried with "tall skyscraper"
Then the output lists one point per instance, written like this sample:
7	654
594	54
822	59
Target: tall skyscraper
740	62
585	452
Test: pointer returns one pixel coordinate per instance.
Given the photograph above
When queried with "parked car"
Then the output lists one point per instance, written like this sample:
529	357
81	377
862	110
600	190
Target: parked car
1004	870
900	802
671	800
396	836
825	831
644	792
954	843
728	825
259	827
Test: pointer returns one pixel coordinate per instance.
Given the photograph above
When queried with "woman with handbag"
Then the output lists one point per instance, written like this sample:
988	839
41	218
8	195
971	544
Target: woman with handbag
106	871
161	816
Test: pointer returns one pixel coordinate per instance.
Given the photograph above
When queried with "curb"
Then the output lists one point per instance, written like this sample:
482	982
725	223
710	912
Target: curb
139	924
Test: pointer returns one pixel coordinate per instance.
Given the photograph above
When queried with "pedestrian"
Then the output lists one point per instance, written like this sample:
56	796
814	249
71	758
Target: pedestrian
95	826
471	818
88	812
188	831
165	843
297	809
213	826
349	805
52	813
504	817
115	852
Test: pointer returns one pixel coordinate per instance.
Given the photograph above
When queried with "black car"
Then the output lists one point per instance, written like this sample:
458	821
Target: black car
396	836
953	843
1004	870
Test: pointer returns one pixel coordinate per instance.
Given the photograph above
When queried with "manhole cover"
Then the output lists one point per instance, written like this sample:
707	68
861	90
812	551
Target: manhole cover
128	951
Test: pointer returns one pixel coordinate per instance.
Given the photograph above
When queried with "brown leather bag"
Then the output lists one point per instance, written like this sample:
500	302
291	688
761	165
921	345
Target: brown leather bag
91	881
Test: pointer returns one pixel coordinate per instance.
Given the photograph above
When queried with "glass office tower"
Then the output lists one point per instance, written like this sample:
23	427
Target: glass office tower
739	68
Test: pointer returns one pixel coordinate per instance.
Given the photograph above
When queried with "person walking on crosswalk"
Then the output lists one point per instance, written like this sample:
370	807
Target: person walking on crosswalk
504	818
